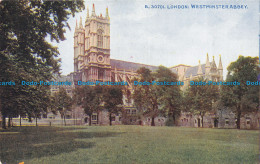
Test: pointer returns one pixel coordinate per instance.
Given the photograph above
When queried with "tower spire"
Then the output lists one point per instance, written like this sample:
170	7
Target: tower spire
76	27
207	66
220	63
80	23
220	68
87	12
93	11
107	15
199	69
213	64
207	61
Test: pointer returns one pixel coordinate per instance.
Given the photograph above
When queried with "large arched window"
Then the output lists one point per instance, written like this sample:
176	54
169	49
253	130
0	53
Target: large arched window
100	38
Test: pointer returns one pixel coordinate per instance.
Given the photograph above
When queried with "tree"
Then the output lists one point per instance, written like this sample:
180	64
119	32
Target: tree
113	100
89	97
24	28
63	102
242	98
170	96
146	96
201	98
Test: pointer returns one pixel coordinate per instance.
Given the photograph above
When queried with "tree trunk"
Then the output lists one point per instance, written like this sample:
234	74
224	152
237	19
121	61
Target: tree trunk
64	118
36	123
97	117
238	119
74	118
153	123
20	120
9	122
3	122
90	119
110	119
202	121
173	119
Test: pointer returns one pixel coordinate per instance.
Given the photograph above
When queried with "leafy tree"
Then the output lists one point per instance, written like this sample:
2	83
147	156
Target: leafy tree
89	97
63	102
170	96
113	100
146	96
24	28
242	98
201	98
158	99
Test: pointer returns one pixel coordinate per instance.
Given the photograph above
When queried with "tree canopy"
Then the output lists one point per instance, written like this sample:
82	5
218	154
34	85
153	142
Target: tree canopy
25	53
200	98
153	100
242	98
89	98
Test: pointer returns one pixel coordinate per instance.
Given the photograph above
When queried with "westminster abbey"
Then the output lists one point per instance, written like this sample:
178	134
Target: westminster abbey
92	62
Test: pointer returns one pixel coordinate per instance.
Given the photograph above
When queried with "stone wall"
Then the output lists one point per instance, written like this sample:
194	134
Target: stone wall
223	118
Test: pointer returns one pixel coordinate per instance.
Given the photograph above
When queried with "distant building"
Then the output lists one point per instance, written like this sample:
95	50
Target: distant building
208	71
63	78
92	62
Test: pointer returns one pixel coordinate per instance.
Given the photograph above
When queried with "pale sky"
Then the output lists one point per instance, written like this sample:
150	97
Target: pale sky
173	36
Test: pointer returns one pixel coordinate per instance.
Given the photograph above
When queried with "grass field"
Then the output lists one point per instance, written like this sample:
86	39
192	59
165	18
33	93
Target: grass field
128	144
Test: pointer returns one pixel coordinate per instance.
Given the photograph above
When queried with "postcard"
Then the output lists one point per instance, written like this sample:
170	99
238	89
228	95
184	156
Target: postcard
129	81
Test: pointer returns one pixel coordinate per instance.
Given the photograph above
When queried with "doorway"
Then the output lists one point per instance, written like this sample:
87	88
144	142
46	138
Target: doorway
198	122
86	120
215	123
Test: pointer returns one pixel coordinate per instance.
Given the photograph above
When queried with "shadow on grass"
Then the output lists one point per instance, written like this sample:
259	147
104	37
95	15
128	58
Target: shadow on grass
36	142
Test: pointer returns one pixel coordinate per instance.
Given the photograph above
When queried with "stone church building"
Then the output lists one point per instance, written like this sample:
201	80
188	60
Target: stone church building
92	62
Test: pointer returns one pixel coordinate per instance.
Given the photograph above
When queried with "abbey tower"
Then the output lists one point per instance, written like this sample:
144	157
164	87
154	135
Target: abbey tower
92	48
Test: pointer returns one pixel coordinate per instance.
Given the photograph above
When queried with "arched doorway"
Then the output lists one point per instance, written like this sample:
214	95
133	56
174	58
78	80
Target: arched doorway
198	122
215	123
86	120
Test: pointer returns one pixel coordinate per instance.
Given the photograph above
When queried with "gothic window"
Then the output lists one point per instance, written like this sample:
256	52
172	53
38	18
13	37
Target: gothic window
94	117
100	38
248	121
113	118
226	121
100	74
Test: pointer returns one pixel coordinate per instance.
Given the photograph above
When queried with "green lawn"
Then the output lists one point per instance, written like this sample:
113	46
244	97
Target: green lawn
128	144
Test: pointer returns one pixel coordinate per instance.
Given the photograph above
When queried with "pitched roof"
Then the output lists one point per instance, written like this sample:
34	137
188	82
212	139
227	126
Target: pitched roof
194	70
119	64
129	66
173	70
